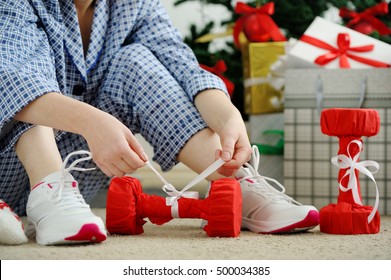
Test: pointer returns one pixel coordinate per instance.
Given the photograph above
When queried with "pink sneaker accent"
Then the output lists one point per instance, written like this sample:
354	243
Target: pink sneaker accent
57	212
37	185
88	232
309	222
4	205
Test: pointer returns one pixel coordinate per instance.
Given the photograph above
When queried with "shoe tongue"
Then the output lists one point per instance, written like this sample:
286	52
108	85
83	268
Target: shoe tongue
55	177
243	172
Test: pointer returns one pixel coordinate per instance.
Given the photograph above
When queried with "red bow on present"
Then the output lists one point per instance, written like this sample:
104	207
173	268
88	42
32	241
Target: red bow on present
263	18
368	16
343	51
219	68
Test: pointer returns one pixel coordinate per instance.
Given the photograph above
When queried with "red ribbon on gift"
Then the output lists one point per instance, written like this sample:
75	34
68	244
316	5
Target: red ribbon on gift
343	51
368	16
218	69
263	14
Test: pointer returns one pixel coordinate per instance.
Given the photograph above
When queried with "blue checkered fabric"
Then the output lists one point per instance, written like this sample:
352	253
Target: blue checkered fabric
137	68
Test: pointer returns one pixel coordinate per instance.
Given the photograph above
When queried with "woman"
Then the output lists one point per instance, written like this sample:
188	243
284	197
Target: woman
88	75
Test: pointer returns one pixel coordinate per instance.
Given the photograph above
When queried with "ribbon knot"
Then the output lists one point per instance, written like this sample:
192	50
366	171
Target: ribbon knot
342	51
242	8
369	16
352	164
174	194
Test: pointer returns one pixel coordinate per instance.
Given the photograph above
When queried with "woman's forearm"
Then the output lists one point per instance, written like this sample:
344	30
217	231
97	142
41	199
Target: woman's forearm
60	112
114	148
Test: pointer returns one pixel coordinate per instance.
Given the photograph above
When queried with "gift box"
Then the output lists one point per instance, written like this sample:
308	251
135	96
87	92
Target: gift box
331	45
259	96
309	175
267	132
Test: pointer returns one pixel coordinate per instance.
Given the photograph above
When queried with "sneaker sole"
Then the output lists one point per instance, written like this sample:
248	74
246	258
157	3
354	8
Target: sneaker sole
309	222
88	233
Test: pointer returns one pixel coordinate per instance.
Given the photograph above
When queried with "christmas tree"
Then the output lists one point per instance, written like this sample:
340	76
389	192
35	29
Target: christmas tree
229	54
291	16
371	17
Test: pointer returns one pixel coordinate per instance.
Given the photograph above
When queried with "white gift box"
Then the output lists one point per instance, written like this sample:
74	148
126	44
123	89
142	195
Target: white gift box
303	55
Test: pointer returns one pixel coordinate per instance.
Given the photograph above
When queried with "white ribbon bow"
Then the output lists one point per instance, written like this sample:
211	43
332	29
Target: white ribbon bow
174	194
343	161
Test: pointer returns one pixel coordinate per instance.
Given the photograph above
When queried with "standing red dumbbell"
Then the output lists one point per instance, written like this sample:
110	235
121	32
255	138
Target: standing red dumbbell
349	215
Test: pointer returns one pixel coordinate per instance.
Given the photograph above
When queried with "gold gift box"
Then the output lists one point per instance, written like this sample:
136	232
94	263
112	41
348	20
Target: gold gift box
259	96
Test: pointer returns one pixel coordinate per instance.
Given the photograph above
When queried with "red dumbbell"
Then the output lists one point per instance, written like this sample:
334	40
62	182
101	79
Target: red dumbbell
127	207
349	216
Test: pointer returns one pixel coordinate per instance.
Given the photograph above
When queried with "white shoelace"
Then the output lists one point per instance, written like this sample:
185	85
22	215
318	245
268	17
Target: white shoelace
174	194
259	182
69	197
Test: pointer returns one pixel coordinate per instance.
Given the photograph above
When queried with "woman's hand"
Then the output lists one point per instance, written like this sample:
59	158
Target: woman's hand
113	146
236	149
222	117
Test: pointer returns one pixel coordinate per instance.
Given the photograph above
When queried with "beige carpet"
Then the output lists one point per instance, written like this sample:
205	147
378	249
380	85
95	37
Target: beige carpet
184	239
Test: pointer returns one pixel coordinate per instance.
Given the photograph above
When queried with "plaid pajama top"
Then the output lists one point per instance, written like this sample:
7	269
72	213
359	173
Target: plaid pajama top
41	51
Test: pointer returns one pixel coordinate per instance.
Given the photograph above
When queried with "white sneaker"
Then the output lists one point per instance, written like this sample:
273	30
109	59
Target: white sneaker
57	212
268	210
11	227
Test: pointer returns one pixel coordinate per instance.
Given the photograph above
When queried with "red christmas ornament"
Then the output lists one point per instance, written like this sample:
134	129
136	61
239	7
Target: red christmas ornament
256	24
366	21
364	27
254	30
